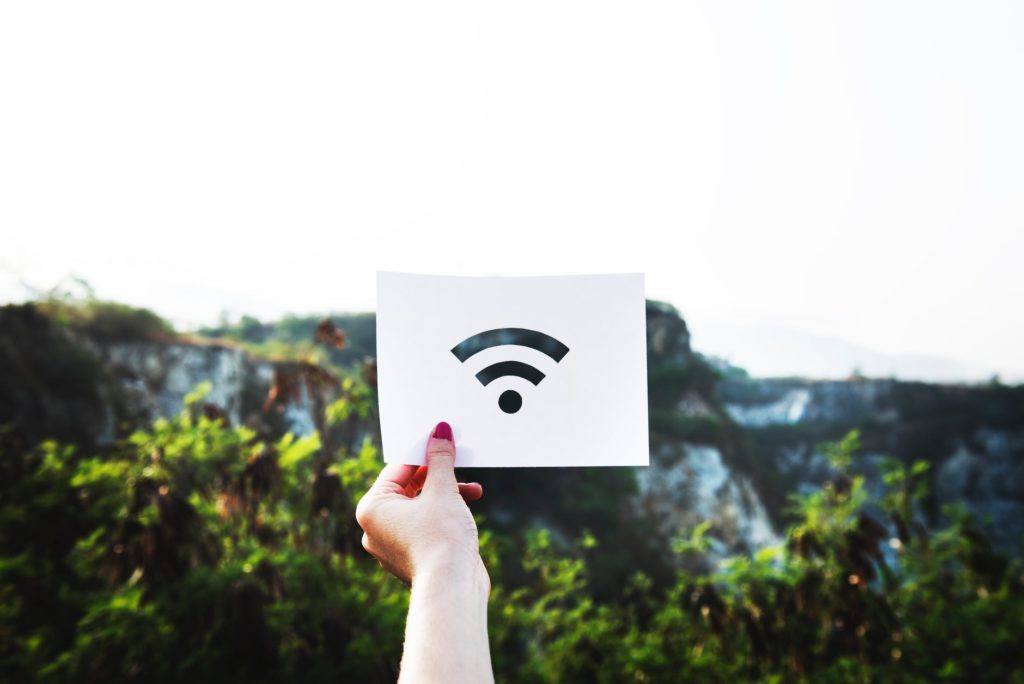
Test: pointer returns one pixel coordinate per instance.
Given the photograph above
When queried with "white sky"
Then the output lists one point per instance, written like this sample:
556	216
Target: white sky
852	170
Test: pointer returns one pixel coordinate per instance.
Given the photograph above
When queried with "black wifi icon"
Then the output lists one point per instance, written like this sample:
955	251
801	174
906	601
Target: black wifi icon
510	401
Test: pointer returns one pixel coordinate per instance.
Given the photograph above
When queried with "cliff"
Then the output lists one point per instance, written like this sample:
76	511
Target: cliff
726	450
972	437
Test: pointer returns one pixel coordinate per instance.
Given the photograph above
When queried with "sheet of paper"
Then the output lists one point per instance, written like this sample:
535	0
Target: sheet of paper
532	371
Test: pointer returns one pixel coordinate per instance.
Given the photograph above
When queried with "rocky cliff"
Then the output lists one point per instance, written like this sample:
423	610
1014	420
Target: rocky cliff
731	450
972	436
690	478
61	383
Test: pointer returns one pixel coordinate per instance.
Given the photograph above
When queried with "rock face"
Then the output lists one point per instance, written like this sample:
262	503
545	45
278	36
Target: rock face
155	378
56	383
973	436
689	479
989	478
668	338
730	451
762	402
687	484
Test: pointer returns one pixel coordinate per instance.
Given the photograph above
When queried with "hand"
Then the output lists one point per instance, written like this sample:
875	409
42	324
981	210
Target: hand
415	519
417	524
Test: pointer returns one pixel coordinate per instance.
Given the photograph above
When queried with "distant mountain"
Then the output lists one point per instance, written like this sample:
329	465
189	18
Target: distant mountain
776	351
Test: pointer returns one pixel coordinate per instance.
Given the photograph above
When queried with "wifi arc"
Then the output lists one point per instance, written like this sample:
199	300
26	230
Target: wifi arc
510	401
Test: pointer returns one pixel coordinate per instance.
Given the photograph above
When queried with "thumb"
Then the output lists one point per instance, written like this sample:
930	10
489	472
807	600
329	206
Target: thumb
441	462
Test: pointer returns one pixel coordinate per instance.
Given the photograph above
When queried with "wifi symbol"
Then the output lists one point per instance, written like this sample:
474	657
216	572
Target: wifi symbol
510	401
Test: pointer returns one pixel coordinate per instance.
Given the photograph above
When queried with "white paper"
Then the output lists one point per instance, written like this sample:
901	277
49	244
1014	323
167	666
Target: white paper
590	407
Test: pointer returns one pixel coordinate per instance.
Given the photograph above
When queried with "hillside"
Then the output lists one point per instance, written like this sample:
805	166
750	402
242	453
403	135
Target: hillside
165	493
734	448
724	446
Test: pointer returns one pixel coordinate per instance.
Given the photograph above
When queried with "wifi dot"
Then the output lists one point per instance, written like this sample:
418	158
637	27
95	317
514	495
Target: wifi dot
510	401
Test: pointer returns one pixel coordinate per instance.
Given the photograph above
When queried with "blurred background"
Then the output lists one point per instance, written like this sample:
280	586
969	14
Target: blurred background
194	200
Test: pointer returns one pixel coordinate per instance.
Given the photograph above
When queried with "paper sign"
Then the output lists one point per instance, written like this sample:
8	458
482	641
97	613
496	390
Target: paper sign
546	371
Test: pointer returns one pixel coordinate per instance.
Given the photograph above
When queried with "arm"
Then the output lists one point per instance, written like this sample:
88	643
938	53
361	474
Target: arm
446	631
417	524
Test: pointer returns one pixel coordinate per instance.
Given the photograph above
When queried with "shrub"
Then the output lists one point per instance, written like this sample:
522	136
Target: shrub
196	550
108	321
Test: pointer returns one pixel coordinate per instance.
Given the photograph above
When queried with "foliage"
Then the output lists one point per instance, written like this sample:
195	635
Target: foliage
194	551
101	320
51	386
667	382
283	338
841	600
197	549
200	550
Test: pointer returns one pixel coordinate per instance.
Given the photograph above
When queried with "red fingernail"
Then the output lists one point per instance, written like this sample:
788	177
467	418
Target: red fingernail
443	431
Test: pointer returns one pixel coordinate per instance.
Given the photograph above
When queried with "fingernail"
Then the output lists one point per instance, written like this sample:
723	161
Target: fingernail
443	431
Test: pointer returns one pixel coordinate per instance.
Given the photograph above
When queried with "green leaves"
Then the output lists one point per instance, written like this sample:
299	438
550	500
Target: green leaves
195	550
697	542
356	400
294	452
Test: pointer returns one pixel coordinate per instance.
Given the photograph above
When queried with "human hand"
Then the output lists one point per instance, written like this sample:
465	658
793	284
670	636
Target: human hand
415	519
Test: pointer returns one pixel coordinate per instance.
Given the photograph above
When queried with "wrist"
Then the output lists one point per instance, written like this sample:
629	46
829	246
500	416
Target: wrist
464	572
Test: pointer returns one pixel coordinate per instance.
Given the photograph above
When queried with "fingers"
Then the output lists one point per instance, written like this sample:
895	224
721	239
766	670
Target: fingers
394	477
441	462
471	491
416	483
392	480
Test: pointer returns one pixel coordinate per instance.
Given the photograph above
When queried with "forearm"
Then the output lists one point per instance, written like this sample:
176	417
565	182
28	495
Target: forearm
446	630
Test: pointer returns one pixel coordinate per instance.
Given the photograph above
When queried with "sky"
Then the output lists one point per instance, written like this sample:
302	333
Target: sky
839	171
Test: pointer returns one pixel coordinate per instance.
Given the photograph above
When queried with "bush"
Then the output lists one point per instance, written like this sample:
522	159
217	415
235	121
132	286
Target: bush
196	550
108	322
51	386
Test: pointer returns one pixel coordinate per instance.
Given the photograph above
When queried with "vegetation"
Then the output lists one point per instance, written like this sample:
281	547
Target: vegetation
200	550
292	335
197	549
77	308
35	357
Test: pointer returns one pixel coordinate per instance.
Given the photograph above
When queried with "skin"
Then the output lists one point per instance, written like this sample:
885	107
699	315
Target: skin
416	522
